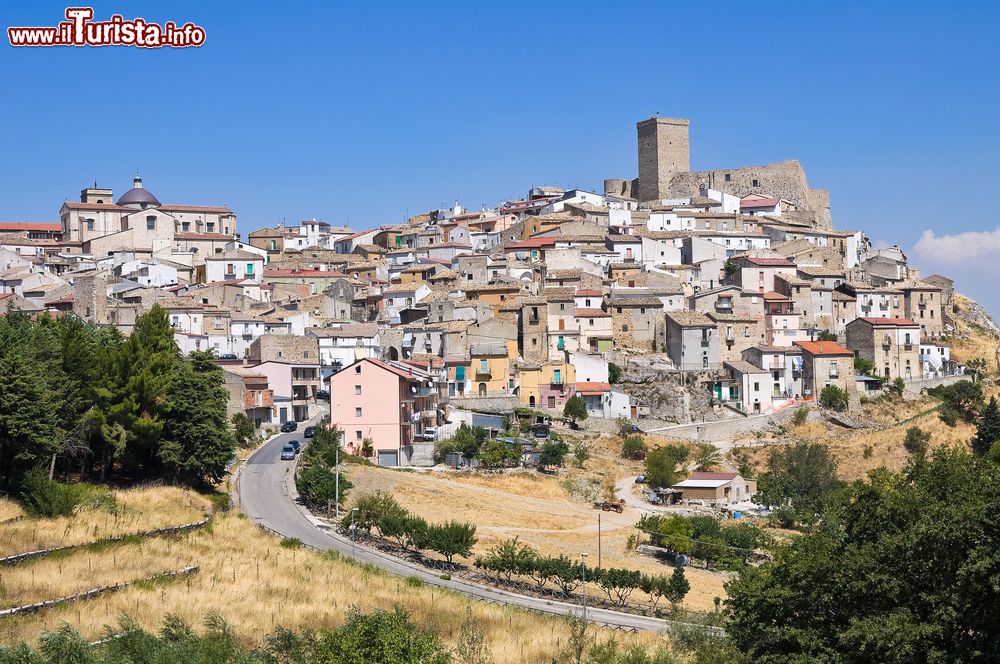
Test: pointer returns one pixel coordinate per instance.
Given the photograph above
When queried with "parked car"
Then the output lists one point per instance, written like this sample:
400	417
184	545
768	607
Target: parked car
322	394
228	356
289	426
431	433
295	445
309	432
287	452
640	479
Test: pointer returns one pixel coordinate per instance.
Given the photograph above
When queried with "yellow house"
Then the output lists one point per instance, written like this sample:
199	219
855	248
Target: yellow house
547	385
490	369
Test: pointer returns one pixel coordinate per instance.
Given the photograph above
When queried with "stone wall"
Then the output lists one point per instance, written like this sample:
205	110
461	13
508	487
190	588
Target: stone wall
785	180
489	404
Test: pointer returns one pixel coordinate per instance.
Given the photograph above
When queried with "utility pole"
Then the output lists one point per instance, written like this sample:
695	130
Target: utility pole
584	556
598	540
354	529
336	489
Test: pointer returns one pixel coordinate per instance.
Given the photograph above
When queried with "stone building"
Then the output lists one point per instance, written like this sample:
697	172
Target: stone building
893	344
534	334
665	172
923	304
826	363
664	151
737	332
633	321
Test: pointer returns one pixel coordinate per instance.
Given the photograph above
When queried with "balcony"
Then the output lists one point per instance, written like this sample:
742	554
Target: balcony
485	373
533	320
777	364
907	346
704	343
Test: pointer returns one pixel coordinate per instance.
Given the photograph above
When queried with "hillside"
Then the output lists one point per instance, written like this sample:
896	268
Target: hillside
976	333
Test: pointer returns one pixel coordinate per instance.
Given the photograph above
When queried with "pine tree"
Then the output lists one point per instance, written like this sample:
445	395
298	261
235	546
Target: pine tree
197	443
143	371
988	429
27	418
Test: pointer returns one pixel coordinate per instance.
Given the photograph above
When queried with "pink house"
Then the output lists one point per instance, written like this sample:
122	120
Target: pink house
386	403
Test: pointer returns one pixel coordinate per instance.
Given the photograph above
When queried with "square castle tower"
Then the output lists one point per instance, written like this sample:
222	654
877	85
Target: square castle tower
664	150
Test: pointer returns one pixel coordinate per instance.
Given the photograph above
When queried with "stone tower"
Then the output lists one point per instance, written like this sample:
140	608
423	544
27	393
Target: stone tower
663	151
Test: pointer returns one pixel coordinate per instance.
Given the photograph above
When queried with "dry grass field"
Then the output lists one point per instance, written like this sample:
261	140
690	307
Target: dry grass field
859	452
132	510
256	584
538	510
9	510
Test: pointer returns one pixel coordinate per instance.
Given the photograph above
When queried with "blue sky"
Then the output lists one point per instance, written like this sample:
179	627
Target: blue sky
363	112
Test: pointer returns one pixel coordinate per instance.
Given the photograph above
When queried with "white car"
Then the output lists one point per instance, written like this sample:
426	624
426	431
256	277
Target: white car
429	434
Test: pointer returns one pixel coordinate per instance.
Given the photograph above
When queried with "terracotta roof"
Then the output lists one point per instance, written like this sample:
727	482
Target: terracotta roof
690	319
534	243
211	209
7	226
700	475
302	273
588	293
758	202
76	205
879	320
770	262
389	367
591	313
593	388
771	296
823	348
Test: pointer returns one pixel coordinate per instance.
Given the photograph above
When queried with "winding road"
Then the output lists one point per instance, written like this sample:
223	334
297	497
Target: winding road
265	494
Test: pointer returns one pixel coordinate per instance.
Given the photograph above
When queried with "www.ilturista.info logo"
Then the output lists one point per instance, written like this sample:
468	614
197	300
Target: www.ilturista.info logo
79	29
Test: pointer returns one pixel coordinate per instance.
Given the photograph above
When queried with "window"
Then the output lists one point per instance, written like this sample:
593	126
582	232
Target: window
185	226
249	269
357	369
619	309
729	177
230	268
358	435
484	366
357	412
755	183
90	224
357	389
274	245
756	387
151	223
591	322
624	328
210	227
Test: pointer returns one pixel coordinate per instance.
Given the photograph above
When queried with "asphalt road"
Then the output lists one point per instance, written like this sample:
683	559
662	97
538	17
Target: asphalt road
264	496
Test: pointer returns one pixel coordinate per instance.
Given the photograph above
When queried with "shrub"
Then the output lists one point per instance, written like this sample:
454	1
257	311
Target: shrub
800	416
834	398
917	441
632	446
614	373
318	486
43	497
451	539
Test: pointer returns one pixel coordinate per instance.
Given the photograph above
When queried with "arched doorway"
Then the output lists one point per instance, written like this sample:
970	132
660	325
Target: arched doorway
482	389
393	353
531	401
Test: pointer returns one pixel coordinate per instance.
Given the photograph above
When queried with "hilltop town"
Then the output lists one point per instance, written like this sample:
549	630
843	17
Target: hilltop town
682	297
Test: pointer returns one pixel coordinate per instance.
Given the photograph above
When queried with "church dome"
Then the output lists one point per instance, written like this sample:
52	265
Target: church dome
138	197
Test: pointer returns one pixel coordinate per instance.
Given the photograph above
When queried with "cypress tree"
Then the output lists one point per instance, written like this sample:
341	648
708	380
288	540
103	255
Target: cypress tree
988	429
